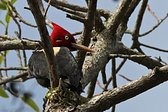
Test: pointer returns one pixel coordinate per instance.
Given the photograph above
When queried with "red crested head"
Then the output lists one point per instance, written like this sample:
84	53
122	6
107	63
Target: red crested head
61	37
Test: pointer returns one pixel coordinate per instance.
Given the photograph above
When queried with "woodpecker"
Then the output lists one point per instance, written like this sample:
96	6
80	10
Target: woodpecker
66	66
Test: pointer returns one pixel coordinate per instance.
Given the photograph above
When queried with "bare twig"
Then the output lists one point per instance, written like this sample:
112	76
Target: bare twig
19	57
114	73
114	79
144	61
113	108
77	18
77	33
47	8
70	11
13	15
22	75
154	27
152	13
99	84
160	60
13	68
135	33
5	63
117	70
127	56
126	78
17	15
155	48
24	57
66	5
103	72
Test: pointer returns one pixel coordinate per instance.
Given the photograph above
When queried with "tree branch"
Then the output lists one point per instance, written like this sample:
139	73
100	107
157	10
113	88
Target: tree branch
40	20
154	27
126	56
143	61
106	43
117	17
155	48
88	26
23	75
59	4
117	70
132	89
135	33
13	68
18	44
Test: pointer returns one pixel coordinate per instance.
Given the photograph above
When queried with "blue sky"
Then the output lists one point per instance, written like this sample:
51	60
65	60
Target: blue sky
154	100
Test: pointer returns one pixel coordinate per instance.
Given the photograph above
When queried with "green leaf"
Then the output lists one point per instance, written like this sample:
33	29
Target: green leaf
31	103
13	1
1	22
2	6
4	1
3	93
1	59
8	18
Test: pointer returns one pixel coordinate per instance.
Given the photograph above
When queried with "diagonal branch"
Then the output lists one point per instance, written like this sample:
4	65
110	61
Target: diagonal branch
106	43
23	75
120	12
135	34
154	27
146	61
40	20
132	89
155	48
58	4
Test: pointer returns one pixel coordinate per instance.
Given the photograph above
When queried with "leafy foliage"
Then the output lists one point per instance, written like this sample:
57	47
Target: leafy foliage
3	93
7	18
2	6
30	102
27	100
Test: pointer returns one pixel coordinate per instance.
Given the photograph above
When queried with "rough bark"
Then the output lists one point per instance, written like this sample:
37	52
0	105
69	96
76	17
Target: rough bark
120	94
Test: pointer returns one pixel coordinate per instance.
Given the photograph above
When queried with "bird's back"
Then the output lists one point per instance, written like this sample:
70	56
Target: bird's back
66	66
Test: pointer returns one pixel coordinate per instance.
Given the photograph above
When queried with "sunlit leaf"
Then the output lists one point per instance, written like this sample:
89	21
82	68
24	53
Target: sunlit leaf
8	18
3	93
4	1
1	59
31	103
2	6
13	1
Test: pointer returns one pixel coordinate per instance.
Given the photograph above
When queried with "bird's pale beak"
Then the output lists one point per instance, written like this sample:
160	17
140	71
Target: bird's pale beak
81	47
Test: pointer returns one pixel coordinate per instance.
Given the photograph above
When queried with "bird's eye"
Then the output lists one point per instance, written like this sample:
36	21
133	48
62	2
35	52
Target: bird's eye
66	37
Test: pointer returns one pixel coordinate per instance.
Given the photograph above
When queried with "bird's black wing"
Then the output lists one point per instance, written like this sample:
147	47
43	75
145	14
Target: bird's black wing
37	67
67	66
